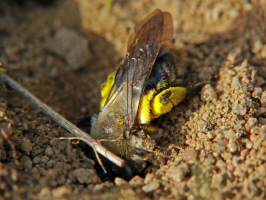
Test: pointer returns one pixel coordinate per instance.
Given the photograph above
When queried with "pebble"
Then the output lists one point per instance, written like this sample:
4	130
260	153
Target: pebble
263	99
249	144
257	92
260	81
45	159
148	178
260	111
151	186
35	172
45	193
6	130
26	145
27	163
50	164
190	155
250	123
230	134
36	151
232	147
61	191
36	159
49	151
262	120
208	93
136	181
70	45
119	181
177	173
188	113
240	109
87	176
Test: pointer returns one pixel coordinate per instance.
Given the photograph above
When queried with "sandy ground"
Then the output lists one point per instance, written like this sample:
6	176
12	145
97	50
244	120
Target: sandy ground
215	139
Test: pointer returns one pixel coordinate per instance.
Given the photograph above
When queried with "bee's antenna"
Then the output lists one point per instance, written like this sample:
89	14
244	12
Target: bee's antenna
191	87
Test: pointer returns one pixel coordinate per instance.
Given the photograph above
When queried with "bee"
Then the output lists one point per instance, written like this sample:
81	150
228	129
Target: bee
140	90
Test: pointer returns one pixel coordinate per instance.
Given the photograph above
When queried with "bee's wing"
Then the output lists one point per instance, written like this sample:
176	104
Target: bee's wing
133	73
167	31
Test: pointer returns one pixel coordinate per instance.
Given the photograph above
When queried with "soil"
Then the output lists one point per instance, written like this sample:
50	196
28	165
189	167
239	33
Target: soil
214	140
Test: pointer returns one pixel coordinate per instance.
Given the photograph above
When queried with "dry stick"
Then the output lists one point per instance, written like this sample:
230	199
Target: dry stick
62	121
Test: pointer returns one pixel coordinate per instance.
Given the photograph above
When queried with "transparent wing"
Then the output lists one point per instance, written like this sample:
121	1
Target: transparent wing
134	71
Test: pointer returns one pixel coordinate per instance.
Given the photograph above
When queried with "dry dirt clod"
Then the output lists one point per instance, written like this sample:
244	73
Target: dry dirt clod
70	45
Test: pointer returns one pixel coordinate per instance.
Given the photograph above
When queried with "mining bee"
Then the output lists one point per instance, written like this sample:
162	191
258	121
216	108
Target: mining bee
139	91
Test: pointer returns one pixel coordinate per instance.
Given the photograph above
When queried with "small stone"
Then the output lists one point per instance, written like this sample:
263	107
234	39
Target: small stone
14	175
151	186
136	181
250	123
263	51
255	130
190	155
36	151
26	145
45	159
27	163
262	120
257	92
260	111
6	129
263	99
119	181
232	147
177	173
210	159
49	151
249	144
50	163
98	187
240	109
208	93
128	193
45	193
87	176
229	134
35	172
208	145
148	178
260	80
188	113
36	159
70	45
221	165
61	191
217	180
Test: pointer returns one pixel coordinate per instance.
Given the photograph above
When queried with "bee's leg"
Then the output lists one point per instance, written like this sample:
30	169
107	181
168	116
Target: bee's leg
144	115
150	129
164	101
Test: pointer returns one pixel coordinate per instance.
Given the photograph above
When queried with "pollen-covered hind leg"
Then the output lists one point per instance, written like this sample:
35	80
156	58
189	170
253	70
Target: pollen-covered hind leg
164	101
150	129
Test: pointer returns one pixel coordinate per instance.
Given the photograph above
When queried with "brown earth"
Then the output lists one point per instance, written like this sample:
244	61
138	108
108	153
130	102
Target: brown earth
215	139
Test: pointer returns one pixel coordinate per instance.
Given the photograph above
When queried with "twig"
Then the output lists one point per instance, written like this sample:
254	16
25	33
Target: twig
62	121
84	140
